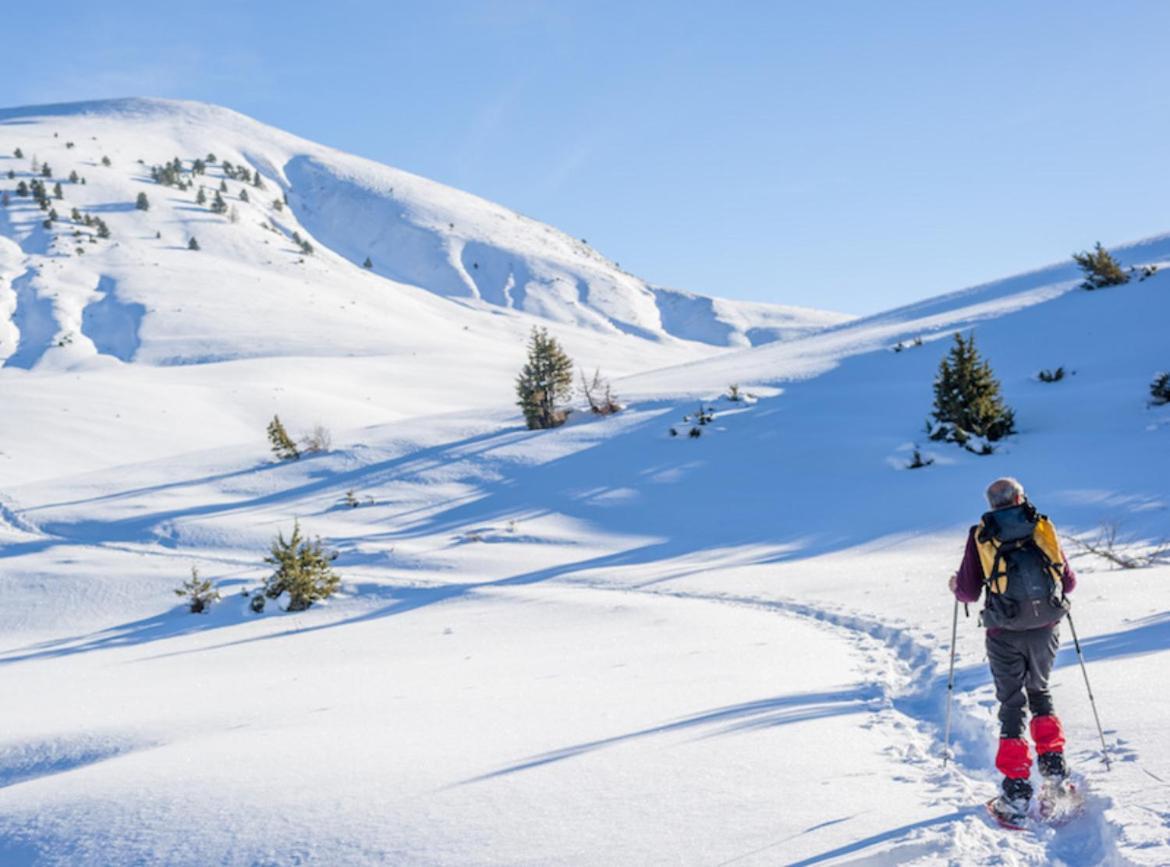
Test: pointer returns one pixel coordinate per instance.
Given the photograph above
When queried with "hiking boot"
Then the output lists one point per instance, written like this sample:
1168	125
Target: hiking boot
1011	807
1052	766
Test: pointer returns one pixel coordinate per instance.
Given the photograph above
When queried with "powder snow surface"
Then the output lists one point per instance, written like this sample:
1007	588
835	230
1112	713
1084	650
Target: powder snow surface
602	644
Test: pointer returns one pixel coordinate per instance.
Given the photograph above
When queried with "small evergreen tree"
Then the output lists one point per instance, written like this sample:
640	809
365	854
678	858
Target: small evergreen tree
1100	268
967	400
200	593
103	231
18	153
201	197
282	444
243	195
22	189
75	215
545	381
1160	390
46	172
367	264
73	178
106	162
223	186
142	203
58	193
302	570
193	243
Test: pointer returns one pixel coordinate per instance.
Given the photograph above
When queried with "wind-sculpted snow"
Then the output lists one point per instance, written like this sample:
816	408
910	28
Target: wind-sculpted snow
112	324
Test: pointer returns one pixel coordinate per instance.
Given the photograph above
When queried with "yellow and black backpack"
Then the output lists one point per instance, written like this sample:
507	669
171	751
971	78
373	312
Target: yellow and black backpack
1023	569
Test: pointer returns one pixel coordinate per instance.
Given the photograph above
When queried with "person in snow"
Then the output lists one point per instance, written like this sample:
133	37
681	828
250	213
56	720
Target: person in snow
1013	554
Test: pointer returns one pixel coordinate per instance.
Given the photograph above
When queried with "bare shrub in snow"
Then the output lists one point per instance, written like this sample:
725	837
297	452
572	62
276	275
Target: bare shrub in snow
1051	375
917	460
1100	268
303	570
1125	554
319	439
200	593
545	381
282	444
733	393
599	393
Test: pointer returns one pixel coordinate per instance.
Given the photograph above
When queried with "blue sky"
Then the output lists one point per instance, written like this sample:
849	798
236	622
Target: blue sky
847	155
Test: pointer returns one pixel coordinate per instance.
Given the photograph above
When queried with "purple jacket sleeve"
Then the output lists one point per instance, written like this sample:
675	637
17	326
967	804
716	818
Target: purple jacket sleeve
1069	579
969	578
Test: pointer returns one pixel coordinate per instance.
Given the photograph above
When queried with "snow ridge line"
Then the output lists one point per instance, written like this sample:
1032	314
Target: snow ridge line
1096	834
11	516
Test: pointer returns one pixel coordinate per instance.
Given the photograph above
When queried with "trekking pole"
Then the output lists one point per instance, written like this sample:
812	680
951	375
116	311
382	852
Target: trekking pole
1092	702
951	683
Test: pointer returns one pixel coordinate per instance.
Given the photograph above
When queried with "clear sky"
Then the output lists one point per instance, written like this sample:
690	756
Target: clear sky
846	155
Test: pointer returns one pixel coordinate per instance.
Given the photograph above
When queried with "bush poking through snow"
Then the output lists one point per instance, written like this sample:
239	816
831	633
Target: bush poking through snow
319	439
350	499
282	444
968	406
142	203
599	393
1051	375
733	393
1160	389
200	593
1100	268
1119	552
545	381
303	570
917	460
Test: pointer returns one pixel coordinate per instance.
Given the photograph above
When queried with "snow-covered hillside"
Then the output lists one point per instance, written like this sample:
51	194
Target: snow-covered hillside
410	230
601	644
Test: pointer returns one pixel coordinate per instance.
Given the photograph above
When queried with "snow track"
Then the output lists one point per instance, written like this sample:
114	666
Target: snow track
911	681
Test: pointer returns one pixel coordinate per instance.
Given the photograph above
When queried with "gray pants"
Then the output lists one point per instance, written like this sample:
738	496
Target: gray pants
1020	664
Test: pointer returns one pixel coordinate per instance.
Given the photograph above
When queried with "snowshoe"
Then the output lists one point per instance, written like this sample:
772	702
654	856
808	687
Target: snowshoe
1059	800
1010	813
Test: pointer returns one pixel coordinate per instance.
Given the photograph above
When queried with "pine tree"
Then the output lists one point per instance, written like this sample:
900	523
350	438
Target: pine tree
243	195
58	193
201	197
106	162
22	189
193	244
367	263
46	172
967	400
282	444
223	186
200	593
18	153
73	178
1160	389
1100	268
75	215
142	203
103	231
545	381
302	570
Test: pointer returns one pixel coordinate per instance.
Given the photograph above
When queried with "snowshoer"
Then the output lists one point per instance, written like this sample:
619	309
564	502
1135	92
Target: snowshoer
1013	554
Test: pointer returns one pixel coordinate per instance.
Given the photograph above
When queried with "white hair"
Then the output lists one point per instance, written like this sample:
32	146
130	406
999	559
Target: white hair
1004	492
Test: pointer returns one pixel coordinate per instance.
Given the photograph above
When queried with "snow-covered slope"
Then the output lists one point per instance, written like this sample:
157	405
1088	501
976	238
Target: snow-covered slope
595	645
411	230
